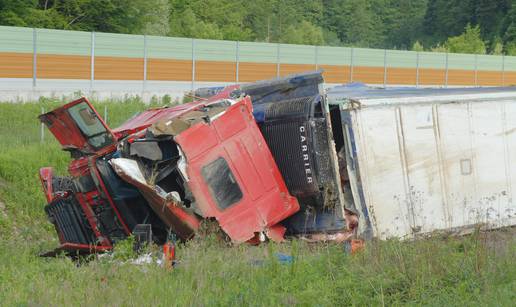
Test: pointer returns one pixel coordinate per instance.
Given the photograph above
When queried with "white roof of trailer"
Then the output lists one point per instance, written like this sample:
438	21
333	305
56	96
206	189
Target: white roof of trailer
370	96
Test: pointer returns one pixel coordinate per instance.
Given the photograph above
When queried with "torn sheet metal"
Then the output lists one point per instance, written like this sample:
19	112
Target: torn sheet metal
149	150
184	121
222	158
166	206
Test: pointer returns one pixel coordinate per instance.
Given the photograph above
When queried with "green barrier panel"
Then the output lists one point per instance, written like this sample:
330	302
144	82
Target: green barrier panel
297	54
63	42
401	59
119	45
215	50
257	52
13	39
461	61
435	60
490	62
20	40
509	63
177	48
333	55
368	57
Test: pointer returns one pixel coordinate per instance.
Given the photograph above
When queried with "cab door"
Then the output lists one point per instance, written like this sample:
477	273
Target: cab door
78	127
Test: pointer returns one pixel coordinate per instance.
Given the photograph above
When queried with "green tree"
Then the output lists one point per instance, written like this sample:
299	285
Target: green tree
439	48
222	19
358	25
468	42
49	18
401	21
156	17
331	38
489	14
497	49
510	48
445	18
496	46
364	23
510	32
303	33
119	16
190	26
260	21
417	46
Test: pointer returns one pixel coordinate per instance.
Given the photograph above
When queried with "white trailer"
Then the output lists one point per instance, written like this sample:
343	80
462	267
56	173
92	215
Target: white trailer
427	160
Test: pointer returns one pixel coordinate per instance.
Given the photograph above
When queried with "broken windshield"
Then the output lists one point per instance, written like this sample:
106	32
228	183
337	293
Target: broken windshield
90	125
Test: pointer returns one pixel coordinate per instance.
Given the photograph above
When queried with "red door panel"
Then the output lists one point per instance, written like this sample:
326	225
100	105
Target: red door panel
263	164
231	124
200	139
256	189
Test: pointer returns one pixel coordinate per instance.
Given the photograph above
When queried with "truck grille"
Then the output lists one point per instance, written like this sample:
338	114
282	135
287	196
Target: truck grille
287	146
67	216
292	108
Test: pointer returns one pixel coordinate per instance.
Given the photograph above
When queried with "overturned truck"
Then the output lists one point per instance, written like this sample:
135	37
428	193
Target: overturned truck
259	159
273	159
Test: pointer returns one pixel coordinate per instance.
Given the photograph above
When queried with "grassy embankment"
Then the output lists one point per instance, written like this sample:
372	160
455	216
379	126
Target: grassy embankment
479	269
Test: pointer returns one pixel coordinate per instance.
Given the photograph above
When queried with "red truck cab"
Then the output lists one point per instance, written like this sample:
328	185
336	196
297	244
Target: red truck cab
168	167
233	176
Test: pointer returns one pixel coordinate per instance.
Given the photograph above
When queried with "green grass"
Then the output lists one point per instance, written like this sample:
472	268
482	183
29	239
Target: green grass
474	270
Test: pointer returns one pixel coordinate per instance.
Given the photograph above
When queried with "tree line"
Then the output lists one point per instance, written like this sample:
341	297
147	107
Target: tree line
471	26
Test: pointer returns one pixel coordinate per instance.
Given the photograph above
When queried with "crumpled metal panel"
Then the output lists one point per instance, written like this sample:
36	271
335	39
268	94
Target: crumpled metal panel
235	137
183	223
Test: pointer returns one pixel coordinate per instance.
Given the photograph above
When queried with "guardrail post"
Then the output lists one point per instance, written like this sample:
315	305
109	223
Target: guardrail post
237	60
446	72
417	69
193	65
42	128
92	61
144	63
351	65
278	61
316	55
476	70
34	57
385	68
503	70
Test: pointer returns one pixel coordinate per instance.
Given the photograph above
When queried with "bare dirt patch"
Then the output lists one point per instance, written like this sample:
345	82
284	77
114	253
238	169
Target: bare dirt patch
500	239
3	210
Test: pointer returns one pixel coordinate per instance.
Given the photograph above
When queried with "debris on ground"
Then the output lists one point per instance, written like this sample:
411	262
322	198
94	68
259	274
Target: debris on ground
280	257
354	246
